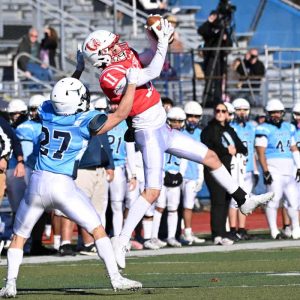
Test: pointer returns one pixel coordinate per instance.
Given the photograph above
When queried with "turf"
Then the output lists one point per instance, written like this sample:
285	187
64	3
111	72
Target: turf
267	274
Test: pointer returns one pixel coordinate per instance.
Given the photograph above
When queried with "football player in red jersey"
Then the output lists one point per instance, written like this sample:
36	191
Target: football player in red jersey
152	135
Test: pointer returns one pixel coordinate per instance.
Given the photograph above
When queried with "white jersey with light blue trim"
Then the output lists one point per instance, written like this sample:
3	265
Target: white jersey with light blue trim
117	143
247	136
191	172
172	163
29	135
63	140
279	139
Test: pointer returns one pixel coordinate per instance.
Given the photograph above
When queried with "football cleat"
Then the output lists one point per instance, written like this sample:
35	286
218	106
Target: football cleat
173	242
296	233
120	283
287	231
89	250
191	238
254	201
10	289
218	240
120	250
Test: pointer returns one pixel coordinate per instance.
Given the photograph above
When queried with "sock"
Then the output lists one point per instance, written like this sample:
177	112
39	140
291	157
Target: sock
56	241
188	231
14	260
117	210
156	223
223	177
233	229
135	214
172	223
66	242
105	252
294	216
147	227
272	218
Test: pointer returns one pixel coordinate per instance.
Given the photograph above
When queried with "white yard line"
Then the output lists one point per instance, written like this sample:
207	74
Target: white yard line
168	251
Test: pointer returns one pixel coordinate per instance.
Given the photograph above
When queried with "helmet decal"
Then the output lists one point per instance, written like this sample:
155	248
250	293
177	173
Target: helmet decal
93	44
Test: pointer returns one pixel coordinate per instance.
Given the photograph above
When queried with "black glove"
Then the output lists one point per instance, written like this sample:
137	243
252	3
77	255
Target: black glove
268	178
255	179
298	175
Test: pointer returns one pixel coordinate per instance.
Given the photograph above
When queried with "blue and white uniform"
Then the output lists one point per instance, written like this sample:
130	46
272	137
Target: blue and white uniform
192	174
244	165
51	186
277	141
117	188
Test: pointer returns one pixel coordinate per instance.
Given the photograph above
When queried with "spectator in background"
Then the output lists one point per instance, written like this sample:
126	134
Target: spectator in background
219	136
252	71
48	47
214	34
176	45
152	7
30	45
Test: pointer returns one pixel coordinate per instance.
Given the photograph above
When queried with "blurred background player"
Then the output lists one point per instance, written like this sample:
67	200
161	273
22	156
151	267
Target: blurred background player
192	172
170	192
244	166
277	152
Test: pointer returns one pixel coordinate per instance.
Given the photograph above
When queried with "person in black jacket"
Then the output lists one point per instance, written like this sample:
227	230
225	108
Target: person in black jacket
215	34
219	136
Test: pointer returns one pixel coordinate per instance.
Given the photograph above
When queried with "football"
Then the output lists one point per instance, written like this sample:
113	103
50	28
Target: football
151	20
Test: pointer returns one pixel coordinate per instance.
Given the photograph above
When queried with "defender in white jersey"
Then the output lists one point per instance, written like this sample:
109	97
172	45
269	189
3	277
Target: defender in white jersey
66	128
152	135
277	153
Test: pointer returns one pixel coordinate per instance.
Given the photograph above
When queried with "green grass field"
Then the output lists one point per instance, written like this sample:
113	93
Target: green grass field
267	274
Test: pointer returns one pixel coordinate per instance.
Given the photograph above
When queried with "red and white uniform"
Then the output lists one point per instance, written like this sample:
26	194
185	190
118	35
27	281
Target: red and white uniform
113	82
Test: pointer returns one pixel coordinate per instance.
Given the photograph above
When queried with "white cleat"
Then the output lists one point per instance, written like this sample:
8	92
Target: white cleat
296	233
287	231
120	250
254	201
192	239
173	242
10	289
150	244
120	283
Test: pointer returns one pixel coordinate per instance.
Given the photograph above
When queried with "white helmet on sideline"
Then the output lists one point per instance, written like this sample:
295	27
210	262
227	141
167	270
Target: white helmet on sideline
241	103
69	96
274	105
176	113
193	108
36	100
17	105
230	107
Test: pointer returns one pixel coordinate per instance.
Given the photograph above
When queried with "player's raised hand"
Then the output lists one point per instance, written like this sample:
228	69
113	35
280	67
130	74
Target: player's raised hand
165	32
80	59
133	75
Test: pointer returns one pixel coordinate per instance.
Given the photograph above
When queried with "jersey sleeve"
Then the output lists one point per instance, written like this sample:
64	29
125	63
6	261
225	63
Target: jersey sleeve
113	81
25	132
261	131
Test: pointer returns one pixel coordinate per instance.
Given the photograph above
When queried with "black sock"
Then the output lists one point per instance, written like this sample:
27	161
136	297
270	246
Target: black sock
232	229
239	196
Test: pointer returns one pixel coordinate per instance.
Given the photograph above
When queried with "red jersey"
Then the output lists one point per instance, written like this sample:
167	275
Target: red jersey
113	81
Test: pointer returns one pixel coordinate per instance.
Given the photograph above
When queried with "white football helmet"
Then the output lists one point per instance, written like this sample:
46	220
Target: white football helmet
241	103
296	111
69	96
176	114
17	106
274	105
36	100
230	107
193	108
97	45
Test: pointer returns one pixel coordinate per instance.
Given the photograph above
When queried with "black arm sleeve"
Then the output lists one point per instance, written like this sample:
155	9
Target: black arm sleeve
15	143
76	74
97	123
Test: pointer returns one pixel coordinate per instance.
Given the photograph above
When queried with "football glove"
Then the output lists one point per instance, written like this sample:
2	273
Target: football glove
166	31
268	178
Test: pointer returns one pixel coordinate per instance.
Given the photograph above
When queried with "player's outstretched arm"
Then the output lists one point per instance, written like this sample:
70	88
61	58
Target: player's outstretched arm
126	103
154	68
